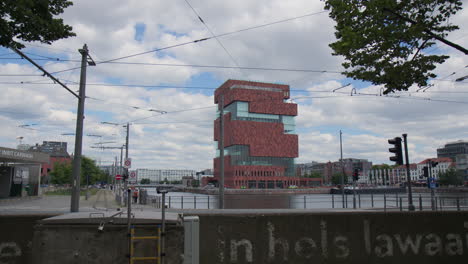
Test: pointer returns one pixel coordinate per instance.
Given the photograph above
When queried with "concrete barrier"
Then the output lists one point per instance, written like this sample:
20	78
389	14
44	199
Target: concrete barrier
251	236
335	237
77	238
16	236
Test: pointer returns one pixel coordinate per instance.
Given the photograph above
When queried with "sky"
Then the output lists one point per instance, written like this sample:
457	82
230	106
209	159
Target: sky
176	80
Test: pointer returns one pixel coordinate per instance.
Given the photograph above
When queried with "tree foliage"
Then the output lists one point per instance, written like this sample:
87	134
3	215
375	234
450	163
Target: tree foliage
145	181
62	173
382	47
451	177
336	179
32	20
383	166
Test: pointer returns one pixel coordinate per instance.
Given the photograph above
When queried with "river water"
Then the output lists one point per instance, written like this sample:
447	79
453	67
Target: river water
183	200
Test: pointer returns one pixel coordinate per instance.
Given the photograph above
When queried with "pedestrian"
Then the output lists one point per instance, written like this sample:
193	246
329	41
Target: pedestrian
135	196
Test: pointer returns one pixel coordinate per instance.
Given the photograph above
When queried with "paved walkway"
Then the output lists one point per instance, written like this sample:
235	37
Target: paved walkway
102	200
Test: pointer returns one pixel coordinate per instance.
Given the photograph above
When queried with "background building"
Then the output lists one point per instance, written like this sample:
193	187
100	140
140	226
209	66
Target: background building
259	141
58	154
452	149
169	175
443	164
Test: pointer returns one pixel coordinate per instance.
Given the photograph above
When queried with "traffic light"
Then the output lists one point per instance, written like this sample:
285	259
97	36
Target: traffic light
426	172
356	175
433	163
398	158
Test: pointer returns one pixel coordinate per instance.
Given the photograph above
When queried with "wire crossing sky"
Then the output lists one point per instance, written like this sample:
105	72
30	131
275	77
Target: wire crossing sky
159	62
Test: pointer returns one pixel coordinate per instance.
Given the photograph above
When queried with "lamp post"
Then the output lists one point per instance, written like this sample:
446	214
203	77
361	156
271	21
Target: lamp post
126	148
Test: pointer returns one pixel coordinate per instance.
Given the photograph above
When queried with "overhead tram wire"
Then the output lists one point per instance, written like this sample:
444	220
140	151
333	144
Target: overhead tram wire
202	39
210	66
213	35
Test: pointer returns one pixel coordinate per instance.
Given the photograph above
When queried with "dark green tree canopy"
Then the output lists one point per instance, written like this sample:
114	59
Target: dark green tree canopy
32	20
381	46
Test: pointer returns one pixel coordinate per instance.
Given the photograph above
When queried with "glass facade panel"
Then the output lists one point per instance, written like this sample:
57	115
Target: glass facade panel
240	157
289	124
240	111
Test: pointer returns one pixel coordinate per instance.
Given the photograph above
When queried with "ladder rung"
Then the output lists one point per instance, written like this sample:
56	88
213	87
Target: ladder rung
145	258
144	237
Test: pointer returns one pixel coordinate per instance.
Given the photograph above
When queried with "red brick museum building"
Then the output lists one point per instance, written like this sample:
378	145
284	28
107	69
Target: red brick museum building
260	144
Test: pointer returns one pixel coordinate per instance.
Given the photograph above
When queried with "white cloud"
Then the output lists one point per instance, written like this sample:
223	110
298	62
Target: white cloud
185	139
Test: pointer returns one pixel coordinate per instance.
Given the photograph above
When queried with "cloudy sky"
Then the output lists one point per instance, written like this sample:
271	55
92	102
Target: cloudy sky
34	108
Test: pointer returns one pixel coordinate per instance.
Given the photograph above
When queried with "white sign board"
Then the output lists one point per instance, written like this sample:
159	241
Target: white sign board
132	177
128	163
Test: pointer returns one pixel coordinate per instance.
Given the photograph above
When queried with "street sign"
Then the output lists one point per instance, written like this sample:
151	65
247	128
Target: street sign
128	163
432	183
118	177
132	177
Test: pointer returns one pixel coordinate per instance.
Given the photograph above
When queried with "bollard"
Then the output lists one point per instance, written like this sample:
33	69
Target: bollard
195	202
420	203
208	202
458	203
372	199
396	199
333	200
385	202
181	202
289	202
401	204
359	199
169	202
305	202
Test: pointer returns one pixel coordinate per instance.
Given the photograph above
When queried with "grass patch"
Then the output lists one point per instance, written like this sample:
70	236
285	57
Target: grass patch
92	191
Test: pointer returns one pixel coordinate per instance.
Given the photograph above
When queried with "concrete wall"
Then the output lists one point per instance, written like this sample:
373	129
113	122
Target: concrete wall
254	236
353	237
74	243
16	235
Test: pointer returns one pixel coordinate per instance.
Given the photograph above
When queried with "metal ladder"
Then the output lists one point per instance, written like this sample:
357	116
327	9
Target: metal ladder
134	238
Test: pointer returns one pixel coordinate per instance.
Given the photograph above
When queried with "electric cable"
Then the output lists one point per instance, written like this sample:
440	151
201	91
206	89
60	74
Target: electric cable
213	35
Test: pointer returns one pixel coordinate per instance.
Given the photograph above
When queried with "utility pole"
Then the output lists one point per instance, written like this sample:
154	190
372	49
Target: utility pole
117	169
75	196
429	168
408	177
342	171
126	155
221	155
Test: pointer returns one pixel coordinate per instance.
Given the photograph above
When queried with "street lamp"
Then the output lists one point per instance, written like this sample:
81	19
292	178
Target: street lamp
461	78
126	146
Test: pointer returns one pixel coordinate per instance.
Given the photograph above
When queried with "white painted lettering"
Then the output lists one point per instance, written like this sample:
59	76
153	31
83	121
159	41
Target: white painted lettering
273	242
247	247
341	243
305	247
434	246
221	246
10	249
323	238
454	245
409	243
384	246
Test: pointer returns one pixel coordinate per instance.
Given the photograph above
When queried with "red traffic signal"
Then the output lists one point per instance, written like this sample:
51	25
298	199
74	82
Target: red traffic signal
356	174
426	172
398	158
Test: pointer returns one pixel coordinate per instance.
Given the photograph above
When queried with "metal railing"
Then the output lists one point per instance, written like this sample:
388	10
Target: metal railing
391	202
